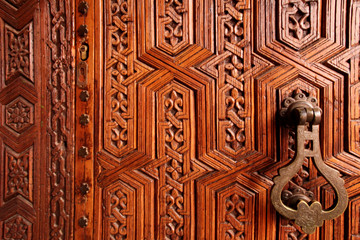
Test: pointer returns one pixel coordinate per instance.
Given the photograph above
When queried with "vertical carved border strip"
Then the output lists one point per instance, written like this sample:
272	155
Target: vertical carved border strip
20	124
60	119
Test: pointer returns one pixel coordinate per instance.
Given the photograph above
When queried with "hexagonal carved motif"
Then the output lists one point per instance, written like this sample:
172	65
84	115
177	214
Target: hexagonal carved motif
17	228
173	21
19	114
299	22
119	211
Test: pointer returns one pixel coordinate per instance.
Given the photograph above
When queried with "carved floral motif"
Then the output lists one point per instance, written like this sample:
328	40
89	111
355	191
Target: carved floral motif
19	52
173	22
235	209
174	196
235	46
120	67
235	136
299	22
19	114
19	173
118	206
17	228
174	134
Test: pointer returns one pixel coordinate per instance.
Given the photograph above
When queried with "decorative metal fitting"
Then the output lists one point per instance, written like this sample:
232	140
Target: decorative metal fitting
84	119
83	30
308	214
84	52
84	188
84	96
83	151
83	222
83	7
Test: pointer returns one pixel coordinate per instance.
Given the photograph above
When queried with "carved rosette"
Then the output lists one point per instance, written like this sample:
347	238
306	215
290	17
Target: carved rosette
299	22
19	115
17	227
19	53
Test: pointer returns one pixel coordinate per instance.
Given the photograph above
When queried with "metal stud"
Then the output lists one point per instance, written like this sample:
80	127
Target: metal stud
83	30
83	222
84	119
84	96
84	188
83	7
83	151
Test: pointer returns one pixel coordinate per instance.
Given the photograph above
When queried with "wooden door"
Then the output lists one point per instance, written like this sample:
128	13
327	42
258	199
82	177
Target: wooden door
158	120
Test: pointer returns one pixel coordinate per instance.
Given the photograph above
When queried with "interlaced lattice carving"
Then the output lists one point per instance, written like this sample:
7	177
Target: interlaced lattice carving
299	22
59	87
235	209
118	225
174	24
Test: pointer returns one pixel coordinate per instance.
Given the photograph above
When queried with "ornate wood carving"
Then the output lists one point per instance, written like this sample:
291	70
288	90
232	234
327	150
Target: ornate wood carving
19	52
17	228
121	73
19	114
299	22
173	20
119	214
19	173
60	90
16	3
174	117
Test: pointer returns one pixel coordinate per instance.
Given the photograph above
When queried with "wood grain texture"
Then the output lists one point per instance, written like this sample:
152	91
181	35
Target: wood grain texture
183	136
201	121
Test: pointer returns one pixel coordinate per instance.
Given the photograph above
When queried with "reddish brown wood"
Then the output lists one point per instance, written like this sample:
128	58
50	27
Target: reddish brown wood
183	137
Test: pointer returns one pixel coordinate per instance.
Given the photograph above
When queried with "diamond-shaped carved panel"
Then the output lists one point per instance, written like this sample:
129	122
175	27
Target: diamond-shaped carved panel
18	173
19	114
19	53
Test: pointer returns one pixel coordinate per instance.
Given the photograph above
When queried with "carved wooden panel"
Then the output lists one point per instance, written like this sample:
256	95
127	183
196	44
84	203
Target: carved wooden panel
187	138
183	138
36	119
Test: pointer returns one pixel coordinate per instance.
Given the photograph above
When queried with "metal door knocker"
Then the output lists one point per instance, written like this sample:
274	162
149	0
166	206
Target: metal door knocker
299	205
